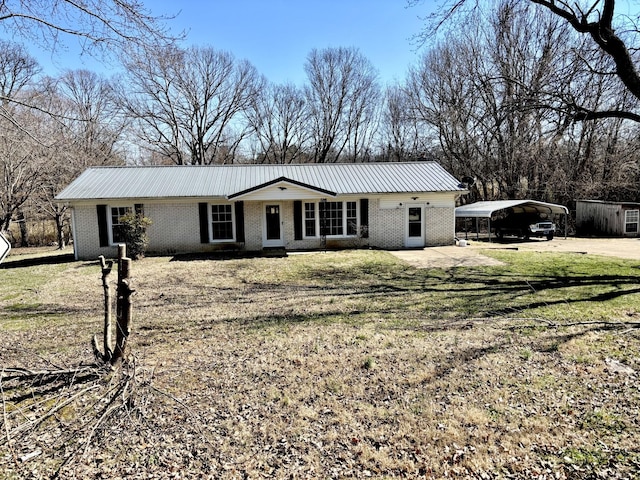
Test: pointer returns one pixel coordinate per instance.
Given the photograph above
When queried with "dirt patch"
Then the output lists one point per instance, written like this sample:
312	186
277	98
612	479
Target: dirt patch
628	248
445	257
471	255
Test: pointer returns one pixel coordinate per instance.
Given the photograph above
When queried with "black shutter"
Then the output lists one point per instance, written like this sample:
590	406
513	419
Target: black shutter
103	226
322	210
239	222
297	220
203	210
139	209
364	217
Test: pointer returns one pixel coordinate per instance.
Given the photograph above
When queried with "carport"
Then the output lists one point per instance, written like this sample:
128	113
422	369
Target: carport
488	209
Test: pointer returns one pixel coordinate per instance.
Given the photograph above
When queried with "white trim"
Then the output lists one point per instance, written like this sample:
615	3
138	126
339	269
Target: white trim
74	233
210	222
110	220
627	222
278	242
344	219
414	242
282	191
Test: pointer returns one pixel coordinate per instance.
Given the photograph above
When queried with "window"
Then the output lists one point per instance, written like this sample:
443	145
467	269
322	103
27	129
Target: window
631	218
352	218
310	219
221	222
117	213
334	219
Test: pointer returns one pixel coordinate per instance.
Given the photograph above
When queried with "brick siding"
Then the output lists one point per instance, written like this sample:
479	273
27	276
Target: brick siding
175	228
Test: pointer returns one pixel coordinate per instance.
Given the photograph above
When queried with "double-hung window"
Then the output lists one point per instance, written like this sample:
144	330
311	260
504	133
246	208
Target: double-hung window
309	219
332	215
222	222
334	219
117	234
631	218
352	218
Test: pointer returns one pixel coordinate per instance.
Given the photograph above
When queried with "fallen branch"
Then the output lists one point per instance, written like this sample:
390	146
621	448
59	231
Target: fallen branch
34	423
109	408
19	373
5	420
29	456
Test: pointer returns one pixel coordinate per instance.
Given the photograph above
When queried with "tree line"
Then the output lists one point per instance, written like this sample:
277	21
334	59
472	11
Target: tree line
507	94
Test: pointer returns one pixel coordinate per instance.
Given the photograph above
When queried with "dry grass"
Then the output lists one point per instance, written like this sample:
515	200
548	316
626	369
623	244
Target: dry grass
337	365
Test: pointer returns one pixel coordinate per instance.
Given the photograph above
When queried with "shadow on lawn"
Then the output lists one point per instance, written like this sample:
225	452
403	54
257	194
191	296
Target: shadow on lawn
42	260
603	287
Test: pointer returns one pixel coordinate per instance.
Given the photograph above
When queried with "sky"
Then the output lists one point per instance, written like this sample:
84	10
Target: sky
277	35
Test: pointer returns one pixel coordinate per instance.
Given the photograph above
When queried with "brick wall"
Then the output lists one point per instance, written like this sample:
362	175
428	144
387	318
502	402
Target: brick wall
85	228
386	226
440	226
175	228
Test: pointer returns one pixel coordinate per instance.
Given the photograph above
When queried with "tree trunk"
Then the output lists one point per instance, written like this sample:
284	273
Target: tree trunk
123	309
24	234
60	230
106	270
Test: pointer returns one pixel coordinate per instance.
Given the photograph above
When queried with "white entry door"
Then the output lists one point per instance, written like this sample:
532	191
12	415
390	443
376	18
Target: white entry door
414	231
272	231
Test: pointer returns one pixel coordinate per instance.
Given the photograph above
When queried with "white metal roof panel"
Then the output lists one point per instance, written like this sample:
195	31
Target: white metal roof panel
224	180
486	209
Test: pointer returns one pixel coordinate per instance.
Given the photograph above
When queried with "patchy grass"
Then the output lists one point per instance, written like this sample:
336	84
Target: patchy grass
334	365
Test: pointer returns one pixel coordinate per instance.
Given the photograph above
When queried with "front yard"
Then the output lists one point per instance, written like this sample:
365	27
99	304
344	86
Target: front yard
328	365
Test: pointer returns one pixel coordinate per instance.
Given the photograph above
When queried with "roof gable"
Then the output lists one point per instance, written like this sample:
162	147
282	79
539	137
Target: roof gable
283	184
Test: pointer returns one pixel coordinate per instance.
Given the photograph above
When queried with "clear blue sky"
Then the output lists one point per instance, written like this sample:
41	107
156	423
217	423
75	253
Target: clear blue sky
277	35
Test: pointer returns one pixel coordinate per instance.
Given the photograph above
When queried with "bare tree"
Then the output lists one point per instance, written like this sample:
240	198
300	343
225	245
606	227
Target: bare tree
18	148
85	130
342	95
615	34
401	137
503	97
188	103
21	159
278	118
17	70
486	93
103	26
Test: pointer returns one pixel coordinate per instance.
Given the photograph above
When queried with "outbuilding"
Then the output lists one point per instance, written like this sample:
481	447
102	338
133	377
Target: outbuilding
616	219
253	207
492	209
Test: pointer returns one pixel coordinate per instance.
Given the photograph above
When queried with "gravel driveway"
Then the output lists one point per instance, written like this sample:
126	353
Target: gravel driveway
455	256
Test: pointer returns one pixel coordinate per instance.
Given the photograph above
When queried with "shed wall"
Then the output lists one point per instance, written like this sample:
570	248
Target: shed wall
602	218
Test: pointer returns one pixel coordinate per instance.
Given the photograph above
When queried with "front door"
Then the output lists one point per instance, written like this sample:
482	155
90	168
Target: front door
414	226
272	233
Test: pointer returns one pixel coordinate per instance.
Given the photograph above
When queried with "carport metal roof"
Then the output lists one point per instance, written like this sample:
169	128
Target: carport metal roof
487	209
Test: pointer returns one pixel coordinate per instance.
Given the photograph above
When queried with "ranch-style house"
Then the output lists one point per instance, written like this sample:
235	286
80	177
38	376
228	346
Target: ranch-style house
199	209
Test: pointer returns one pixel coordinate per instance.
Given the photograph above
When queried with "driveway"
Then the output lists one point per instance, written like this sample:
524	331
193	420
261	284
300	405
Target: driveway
471	255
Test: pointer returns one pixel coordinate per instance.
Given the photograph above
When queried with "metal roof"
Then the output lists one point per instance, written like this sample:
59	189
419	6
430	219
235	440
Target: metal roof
229	180
486	209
